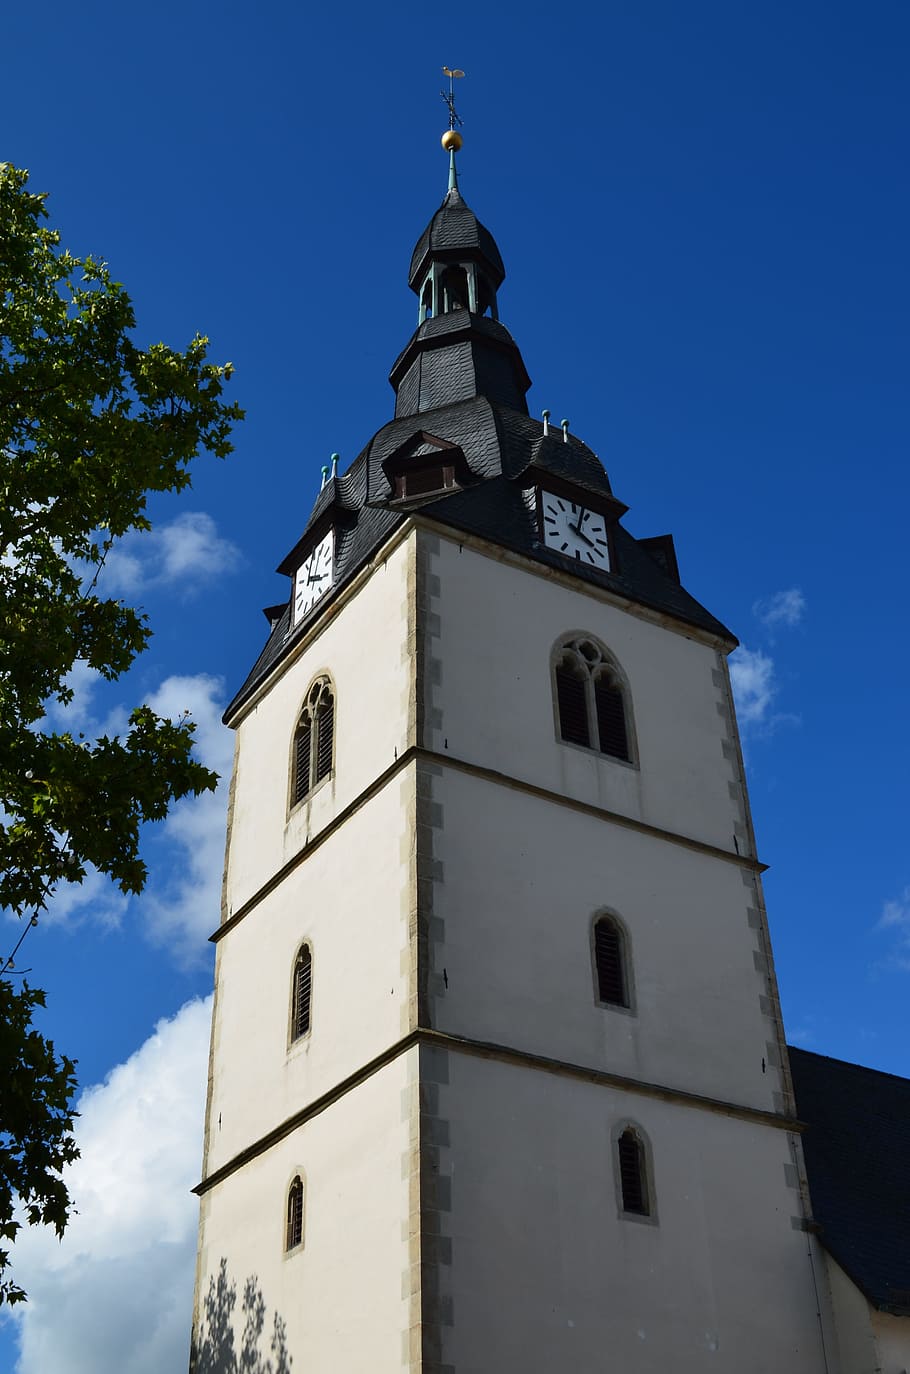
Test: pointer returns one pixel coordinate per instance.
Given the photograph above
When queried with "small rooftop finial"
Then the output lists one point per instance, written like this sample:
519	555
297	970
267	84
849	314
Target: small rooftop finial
546	421
335	460
565	431
451	139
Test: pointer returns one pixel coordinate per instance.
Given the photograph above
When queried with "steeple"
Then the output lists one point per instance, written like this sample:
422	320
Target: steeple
460	350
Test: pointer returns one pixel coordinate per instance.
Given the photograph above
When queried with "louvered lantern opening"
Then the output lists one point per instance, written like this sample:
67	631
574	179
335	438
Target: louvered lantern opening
303	983
611	718
302	744
608	957
632	1174
325	732
572	701
455	289
295	1215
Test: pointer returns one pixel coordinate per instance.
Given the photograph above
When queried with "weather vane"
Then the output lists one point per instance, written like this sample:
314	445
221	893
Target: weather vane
449	96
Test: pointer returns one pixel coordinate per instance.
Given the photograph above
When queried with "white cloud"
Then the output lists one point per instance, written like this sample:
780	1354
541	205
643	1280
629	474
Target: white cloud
895	917
115	1295
183	554
182	902
182	910
782	609
752	676
95	899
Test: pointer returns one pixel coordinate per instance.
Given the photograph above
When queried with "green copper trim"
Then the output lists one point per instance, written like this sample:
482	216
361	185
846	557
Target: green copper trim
453	173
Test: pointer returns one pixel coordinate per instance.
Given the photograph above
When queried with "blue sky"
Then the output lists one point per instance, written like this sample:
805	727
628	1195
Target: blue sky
704	216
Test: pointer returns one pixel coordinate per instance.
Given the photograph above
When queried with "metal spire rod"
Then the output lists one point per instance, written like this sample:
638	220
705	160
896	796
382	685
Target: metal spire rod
449	95
451	139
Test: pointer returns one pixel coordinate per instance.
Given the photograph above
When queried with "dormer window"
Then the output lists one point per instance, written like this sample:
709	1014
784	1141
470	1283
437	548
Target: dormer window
425	465
424	481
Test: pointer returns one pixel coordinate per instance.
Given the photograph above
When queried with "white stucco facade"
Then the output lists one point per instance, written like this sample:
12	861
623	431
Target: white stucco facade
454	1108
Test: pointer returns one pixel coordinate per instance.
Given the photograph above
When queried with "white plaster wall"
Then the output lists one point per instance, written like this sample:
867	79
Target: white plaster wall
363	650
870	1342
852	1322
547	1276
521	879
892	1341
341	1294
498	625
349	900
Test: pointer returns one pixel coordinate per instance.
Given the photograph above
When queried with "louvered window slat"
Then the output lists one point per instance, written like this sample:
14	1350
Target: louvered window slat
611	719
325	730
302	745
571	698
631	1174
608	956
300	1011
295	1215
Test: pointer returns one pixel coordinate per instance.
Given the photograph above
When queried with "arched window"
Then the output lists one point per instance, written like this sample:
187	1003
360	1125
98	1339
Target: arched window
301	993
314	740
426	301
455	289
294	1230
633	1173
611	962
591	698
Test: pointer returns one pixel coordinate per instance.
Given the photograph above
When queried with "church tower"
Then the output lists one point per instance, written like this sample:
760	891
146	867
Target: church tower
498	1079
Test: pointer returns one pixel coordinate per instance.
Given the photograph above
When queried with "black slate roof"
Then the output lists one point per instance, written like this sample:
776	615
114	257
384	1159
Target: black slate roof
455	229
857	1148
506	454
461	381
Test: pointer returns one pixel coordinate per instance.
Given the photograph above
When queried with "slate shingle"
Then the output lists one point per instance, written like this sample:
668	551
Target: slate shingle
857	1147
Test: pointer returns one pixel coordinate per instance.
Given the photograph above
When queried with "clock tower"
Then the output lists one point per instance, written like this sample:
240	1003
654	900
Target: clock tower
498	1078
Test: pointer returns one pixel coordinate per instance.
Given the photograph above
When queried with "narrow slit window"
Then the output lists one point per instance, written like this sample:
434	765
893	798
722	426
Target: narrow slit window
632	1177
302	747
571	696
294	1232
325	735
302	994
610	962
611	717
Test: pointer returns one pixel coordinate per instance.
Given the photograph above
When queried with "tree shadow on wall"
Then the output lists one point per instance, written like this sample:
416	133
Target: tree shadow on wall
214	1344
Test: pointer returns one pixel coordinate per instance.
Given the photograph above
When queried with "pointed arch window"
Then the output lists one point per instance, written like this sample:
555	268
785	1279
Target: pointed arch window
293	1235
611	962
314	740
592	703
631	1159
301	994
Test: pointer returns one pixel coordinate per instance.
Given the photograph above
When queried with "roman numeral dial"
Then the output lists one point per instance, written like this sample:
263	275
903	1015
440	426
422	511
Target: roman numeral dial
574	531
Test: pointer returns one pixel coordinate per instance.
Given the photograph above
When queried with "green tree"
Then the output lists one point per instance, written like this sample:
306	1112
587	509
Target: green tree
90	426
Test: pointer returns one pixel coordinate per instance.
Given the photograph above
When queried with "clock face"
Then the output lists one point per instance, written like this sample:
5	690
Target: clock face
573	531
314	576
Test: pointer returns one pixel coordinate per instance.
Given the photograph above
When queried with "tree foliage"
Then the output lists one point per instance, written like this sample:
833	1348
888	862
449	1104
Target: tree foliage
91	425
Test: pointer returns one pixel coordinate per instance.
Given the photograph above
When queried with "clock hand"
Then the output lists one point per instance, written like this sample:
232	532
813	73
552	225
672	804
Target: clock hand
576	529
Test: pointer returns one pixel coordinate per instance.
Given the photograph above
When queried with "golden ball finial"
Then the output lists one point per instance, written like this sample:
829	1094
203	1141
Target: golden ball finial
452	140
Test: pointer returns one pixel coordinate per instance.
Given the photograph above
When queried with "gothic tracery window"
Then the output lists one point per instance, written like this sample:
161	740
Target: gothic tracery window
591	699
314	740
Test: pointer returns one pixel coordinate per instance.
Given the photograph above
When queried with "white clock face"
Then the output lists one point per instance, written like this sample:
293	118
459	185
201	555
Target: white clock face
573	531
314	576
